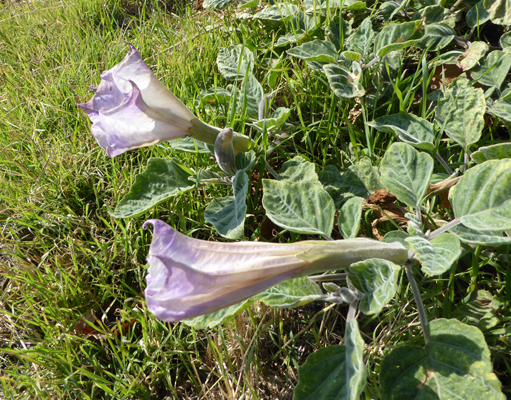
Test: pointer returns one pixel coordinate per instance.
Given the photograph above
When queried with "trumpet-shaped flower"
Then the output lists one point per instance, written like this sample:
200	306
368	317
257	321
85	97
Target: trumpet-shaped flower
224	151
190	277
132	109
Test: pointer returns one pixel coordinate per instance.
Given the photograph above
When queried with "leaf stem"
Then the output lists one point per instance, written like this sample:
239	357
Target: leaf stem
418	300
328	277
445	228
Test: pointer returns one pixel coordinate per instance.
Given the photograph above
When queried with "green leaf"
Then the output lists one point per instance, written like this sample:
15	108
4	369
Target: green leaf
406	173
461	112
251	95
217	317
352	55
493	69
291	293
190	145
334	372
216	4
479	309
279	116
363	38
360	180
245	160
437	255
398	36
298	201
377	280
215	95
317	50
227	214
162	179
487	238
499	11
477	15
235	62
349	217
501	109
397	236
344	83
461	361
433	14
482	198
409	128
505	40
494	152
336	28
470	58
436	37
277	12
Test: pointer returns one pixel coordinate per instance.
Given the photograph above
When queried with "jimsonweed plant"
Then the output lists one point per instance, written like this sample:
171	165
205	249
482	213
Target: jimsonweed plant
424	169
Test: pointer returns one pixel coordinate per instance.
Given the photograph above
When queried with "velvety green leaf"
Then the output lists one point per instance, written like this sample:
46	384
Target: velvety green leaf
251	95
398	36
505	40
493	152
162	179
216	4
470	58
406	173
277	12
334	372
461	112
217	317
349	217
499	11
377	280
493	69
409	128
437	255
234	62
352	55
298	201
343	82
217	95
337	27
190	145
436	37
363	38
461	361
360	180
433	14
482	197
245	160
291	293
279	116
397	236
227	214
477	15
487	238
501	109
479	309
317	50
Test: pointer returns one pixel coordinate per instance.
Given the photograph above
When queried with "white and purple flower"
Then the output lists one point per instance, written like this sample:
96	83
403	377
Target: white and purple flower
191	277
132	109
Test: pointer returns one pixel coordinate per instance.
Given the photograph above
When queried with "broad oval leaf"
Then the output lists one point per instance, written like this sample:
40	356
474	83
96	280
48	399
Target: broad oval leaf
494	152
251	95
277	12
477	15
317	50
505	40
162	179
398	36
460	111
291	293
363	38
377	280
461	367
406	173
480	309
234	62
334	372
501	109
493	69
482	197
437	255
436	37
470	58
349	217
216	4
486	238
343	82
216	318
227	214
298	170
499	11
409	128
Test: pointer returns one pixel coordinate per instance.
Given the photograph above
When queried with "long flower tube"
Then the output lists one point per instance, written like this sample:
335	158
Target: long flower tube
191	277
132	109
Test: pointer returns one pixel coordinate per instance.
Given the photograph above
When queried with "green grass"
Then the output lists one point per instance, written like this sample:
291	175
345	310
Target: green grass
73	320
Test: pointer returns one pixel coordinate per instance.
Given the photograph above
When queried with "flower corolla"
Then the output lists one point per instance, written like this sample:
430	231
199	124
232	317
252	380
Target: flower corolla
132	109
191	277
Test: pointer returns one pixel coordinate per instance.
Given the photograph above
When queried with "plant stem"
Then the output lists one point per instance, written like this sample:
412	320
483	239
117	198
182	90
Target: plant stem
442	229
328	277
418	300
